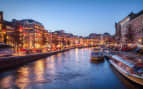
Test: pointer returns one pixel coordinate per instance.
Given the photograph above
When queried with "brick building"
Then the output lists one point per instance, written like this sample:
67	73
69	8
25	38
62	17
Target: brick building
136	27
130	29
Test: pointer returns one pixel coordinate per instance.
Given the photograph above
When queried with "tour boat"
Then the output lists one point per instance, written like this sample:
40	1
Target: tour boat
107	53
5	50
97	55
130	67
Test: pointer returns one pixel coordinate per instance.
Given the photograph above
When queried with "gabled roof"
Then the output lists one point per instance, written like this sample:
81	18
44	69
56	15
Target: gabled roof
133	15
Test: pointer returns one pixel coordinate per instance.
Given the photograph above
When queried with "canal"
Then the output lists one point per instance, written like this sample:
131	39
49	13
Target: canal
67	70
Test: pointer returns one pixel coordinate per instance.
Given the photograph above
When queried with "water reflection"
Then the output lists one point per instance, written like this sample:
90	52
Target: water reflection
23	78
39	70
129	84
6	83
50	66
67	70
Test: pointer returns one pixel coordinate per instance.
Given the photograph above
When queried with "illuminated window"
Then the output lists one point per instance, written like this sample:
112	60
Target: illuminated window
0	17
0	27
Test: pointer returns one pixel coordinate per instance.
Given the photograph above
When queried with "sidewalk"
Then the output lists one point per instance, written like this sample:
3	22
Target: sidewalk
14	61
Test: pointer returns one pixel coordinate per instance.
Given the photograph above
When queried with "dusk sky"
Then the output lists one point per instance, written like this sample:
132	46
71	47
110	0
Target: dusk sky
79	17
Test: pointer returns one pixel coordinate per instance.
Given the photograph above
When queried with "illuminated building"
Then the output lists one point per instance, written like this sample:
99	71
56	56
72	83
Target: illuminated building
32	33
2	28
130	29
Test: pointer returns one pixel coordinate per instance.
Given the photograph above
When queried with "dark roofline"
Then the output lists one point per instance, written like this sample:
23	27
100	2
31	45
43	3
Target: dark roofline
31	20
134	15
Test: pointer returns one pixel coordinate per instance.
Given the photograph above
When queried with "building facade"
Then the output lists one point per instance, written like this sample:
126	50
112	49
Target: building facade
122	30
2	28
136	27
31	33
130	29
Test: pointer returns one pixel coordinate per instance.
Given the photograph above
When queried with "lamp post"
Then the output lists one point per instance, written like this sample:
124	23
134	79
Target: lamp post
139	42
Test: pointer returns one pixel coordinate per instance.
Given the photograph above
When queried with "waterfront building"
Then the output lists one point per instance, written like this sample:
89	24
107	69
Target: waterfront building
32	33
1	25
2	29
28	34
10	30
130	29
136	27
122	30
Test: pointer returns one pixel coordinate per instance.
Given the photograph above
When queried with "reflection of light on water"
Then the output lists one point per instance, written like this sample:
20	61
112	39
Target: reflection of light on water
59	59
59	54
5	83
50	64
23	79
39	70
70	53
76	54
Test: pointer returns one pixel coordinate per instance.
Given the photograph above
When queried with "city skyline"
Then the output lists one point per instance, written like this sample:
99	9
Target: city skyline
80	17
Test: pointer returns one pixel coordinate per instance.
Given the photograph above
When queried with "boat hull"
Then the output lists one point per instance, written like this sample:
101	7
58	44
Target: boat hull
97	58
130	77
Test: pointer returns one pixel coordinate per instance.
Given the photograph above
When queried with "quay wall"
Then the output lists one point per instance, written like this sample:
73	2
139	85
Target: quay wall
16	61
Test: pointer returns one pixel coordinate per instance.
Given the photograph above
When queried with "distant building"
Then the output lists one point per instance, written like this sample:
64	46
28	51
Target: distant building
100	38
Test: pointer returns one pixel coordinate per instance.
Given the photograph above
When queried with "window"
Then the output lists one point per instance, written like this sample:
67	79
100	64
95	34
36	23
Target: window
0	27
0	17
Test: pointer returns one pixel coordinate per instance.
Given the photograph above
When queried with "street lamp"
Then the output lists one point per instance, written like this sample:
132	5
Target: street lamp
140	40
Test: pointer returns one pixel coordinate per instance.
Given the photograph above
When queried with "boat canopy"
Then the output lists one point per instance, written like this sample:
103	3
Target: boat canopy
122	60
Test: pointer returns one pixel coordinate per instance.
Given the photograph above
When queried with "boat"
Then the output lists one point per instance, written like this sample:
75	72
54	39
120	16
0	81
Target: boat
107	53
5	50
129	66
97	55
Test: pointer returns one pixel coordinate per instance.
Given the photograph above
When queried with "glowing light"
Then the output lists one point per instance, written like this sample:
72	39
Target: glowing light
20	28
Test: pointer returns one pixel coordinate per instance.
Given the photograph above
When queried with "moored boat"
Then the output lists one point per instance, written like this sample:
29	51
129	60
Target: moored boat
97	55
107	53
130	67
5	50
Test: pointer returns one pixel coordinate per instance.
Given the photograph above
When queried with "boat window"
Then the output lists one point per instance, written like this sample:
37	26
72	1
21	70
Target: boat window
138	69
95	54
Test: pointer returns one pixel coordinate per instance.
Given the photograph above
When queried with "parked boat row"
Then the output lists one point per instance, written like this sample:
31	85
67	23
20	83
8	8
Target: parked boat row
5	50
129	66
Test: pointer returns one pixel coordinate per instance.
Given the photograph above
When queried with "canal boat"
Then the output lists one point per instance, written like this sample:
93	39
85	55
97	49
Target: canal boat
97	55
107	53
130	67
5	50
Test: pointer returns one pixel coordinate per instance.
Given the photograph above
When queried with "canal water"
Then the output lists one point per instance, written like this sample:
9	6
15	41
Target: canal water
68	70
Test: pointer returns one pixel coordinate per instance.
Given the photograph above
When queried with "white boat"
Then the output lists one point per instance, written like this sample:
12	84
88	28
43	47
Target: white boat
130	67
